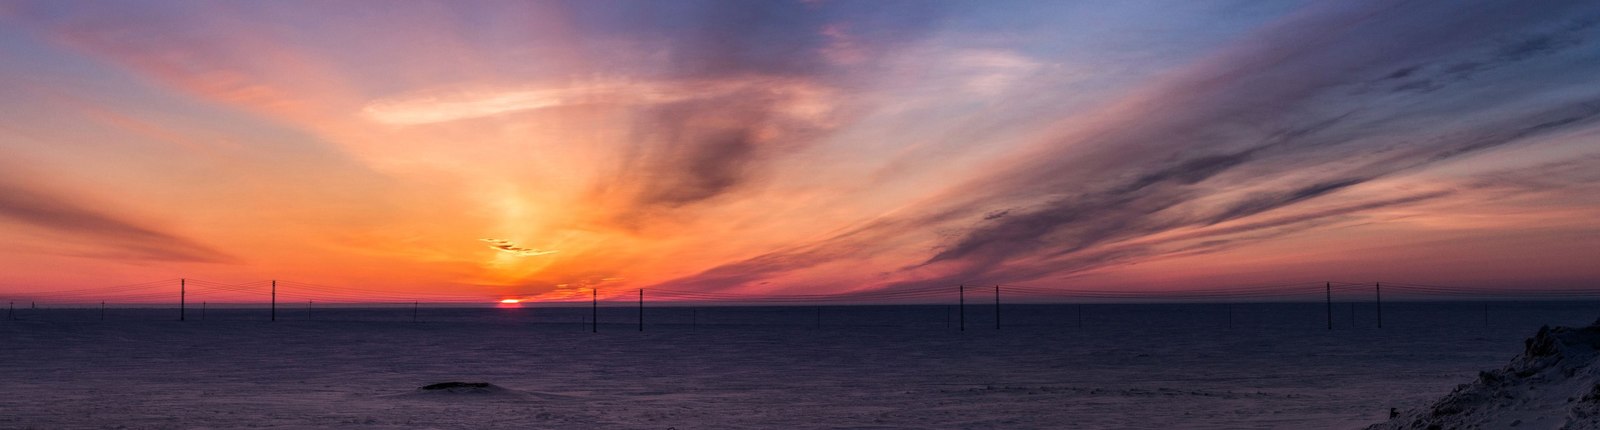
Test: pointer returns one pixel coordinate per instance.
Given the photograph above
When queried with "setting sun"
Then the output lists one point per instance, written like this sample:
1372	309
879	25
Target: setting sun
510	301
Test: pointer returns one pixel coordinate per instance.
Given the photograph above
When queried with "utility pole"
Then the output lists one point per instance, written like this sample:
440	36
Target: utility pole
594	311
961	291
641	309
1329	287
819	318
1377	290
202	311
997	307
308	310
1230	316
102	311
1080	315
183	296
414	306
11	311
1485	314
274	299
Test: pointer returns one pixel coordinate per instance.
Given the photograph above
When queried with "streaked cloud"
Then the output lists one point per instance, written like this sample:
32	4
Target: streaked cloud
83	226
992	72
449	105
508	247
1264	129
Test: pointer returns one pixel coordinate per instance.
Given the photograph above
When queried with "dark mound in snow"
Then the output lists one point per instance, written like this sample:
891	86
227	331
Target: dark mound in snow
462	388
1554	384
472	392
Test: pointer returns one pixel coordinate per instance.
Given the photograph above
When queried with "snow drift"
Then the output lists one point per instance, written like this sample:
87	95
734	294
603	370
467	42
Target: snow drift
460	391
1553	384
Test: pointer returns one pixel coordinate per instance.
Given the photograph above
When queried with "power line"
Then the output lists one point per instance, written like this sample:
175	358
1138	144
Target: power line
162	291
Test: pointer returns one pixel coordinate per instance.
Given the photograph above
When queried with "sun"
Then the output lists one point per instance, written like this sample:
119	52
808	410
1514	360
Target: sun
510	301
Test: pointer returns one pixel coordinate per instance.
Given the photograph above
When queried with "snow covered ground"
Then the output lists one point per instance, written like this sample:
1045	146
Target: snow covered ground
1128	366
1553	384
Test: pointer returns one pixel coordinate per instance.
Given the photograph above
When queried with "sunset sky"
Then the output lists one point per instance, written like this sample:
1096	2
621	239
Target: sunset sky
799	147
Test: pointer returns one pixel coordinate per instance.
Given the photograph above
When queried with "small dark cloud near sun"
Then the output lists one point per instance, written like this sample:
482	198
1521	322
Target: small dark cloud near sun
508	247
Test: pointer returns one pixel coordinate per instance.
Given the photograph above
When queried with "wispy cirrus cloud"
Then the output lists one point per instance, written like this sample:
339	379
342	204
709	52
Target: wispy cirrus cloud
77	225
1263	129
442	105
509	247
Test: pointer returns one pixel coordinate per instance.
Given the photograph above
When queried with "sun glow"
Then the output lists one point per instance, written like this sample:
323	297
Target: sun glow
510	301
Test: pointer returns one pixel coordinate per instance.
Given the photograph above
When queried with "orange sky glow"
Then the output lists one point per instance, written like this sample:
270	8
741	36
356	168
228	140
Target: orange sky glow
543	150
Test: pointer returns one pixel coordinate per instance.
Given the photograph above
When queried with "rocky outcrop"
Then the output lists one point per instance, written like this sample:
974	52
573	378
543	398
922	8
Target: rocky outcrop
1553	384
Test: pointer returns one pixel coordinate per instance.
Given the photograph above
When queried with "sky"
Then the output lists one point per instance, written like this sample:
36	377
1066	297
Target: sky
545	148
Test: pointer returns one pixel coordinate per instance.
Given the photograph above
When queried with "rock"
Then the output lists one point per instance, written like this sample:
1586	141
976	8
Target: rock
461	388
1556	378
453	385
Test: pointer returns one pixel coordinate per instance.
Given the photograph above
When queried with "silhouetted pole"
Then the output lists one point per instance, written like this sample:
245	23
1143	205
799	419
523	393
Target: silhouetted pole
1485	314
1377	290
1080	315
102	311
1330	305
947	316
308	310
1352	314
694	319
414	306
274	300
11	311
183	294
202	311
594	311
1230	316
641	309
819	317
961	291
997	307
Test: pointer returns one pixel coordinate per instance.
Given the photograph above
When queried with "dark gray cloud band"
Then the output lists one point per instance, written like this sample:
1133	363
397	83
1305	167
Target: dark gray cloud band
103	232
